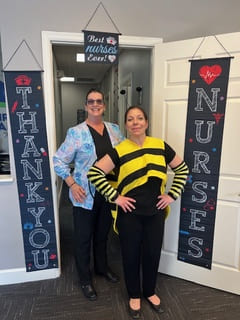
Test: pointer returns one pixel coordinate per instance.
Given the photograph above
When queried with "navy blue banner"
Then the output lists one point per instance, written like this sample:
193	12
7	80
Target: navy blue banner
203	146
28	127
101	47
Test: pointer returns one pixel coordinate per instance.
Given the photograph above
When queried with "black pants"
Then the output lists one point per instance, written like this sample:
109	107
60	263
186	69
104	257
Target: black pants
141	243
91	227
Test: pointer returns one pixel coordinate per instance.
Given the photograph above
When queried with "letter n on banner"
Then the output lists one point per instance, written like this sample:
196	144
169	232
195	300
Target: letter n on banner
28	127
203	144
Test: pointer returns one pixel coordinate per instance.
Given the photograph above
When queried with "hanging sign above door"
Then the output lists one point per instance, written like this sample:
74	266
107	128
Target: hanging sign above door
101	47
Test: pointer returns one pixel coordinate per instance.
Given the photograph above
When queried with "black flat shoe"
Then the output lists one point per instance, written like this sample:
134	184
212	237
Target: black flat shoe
89	292
155	307
134	314
109	276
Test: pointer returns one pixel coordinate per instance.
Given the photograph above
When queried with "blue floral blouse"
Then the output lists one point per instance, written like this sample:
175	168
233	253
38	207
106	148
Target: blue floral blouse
79	148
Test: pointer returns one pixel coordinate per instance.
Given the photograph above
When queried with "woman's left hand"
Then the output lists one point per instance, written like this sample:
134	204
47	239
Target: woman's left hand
164	201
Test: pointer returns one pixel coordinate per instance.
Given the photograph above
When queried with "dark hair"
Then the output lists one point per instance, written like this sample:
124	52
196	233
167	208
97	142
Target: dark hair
135	107
94	90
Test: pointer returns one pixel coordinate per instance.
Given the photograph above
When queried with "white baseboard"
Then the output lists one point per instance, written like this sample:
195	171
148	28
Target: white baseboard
13	276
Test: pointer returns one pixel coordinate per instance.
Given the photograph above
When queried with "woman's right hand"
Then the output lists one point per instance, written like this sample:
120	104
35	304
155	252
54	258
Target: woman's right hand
78	193
126	203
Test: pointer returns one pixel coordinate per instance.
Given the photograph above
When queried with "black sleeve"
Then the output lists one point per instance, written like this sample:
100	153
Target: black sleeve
169	153
114	157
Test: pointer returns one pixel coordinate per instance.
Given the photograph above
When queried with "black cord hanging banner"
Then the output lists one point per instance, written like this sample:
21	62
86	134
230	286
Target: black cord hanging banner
25	101
201	43
101	4
15	52
203	146
101	47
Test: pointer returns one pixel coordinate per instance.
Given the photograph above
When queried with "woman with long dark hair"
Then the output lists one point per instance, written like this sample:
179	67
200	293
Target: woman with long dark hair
142	204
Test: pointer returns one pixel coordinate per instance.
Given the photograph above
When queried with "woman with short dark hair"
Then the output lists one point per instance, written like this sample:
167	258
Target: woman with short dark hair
84	144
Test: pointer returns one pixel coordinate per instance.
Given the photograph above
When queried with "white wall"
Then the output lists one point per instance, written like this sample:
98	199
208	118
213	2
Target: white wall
171	20
73	98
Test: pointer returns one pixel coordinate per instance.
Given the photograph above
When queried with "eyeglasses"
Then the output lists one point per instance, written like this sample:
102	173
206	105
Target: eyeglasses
90	102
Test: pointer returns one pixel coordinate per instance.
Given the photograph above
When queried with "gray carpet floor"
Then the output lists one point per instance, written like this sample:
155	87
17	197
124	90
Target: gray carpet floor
61	298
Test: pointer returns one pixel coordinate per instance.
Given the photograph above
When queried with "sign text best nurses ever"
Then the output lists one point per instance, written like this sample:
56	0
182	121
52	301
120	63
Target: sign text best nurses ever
28	127
203	145
101	47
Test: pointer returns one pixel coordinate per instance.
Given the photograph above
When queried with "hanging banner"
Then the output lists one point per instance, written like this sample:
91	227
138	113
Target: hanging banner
203	143
101	47
28	127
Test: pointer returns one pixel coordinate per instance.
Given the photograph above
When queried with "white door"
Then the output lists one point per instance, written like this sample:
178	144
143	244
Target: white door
168	120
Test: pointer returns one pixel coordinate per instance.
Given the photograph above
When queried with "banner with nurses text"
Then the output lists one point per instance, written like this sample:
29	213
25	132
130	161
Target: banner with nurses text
203	146
28	128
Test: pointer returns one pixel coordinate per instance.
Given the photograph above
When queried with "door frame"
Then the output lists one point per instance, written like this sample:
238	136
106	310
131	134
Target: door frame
49	38
125	100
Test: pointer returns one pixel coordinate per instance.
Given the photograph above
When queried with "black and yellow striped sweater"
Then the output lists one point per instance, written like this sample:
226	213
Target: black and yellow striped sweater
142	174
138	164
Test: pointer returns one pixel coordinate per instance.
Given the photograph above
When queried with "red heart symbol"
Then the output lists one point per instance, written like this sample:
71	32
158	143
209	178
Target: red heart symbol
209	74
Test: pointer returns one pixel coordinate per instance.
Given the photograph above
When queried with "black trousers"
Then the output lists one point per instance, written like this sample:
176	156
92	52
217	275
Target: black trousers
141	242
91	227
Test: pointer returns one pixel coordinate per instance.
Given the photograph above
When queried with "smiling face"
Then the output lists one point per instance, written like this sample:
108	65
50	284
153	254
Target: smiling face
136	122
95	105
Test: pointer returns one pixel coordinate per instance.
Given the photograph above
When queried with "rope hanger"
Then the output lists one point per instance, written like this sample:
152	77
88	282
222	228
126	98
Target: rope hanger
14	53
101	4
217	41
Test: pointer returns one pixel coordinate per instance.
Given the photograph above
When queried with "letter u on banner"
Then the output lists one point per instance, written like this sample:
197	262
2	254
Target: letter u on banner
203	144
